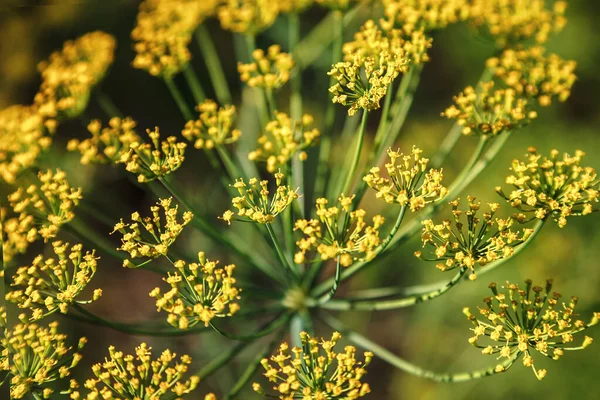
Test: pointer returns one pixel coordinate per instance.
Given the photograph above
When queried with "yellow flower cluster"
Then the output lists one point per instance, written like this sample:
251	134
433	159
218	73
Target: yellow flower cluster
214	126
49	285
535	74
539	321
339	232
254	204
69	75
150	161
409	183
158	233
512	21
283	140
43	208
247	16
425	14
294	6
556	186
108	144
199	293
484	240
163	32
23	138
489	112
140	377
34	356
316	371
268	71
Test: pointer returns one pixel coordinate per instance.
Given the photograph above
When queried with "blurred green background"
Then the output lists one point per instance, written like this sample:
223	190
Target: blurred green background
433	335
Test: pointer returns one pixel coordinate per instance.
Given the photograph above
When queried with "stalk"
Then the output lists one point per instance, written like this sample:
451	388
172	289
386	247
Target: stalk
179	100
213	64
346	188
106	104
194	83
272	326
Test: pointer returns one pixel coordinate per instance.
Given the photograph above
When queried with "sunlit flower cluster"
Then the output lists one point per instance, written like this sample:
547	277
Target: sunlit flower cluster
150	161
539	321
151	237
163	32
469	240
214	126
247	16
141	377
199	293
535	74
270	70
410	183
339	232
108	144
316	371
556	186
425	14
34	357
254	202
50	284
283	140
489	111
69	75
512	21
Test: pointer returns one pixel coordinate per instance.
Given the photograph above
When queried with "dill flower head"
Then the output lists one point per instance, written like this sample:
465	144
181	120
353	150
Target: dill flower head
254	204
150	161
283	140
268	71
69	75
556	186
294	6
533	73
513	21
489	112
44	207
214	126
199	293
521	320
425	14
163	32
151	237
49	285
316	371
141	377
247	16
107	144
339	232
409	183
34	356
484	240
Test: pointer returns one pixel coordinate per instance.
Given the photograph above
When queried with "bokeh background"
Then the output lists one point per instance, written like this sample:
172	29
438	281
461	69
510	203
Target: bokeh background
433	335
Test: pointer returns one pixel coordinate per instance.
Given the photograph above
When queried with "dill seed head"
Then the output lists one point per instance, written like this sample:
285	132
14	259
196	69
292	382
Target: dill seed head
247	16
49	285
214	126
478	242
521	320
338	232
490	112
150	161
556	186
107	144
255	202
316	371
151	237
199	293
283	140
535	74
140	376
424	14
409	183
268	71
35	356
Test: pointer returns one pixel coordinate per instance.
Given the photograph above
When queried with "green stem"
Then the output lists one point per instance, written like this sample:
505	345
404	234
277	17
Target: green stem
408	367
179	100
89	236
213	64
282	258
194	83
232	169
270	327
296	106
334	286
107	105
346	188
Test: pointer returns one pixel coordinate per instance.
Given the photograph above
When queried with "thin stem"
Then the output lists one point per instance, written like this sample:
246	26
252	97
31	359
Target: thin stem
296	106
179	100
282	258
194	83
334	286
270	327
356	157
213	64
107	105
232	170
413	369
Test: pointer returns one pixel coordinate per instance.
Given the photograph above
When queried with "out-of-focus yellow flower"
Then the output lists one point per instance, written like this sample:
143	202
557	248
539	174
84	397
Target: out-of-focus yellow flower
199	293
248	16
214	126
424	14
268	71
